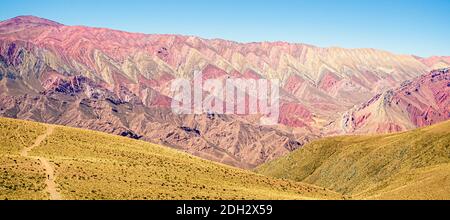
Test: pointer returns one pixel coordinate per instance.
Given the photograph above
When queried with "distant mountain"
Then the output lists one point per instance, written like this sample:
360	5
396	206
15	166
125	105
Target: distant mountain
408	165
321	80
79	102
119	82
416	103
436	62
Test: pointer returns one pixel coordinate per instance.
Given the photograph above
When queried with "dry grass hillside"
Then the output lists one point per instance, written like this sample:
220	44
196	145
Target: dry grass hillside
39	161
408	165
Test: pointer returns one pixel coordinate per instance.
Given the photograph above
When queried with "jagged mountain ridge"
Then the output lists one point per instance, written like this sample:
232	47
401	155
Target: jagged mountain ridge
326	79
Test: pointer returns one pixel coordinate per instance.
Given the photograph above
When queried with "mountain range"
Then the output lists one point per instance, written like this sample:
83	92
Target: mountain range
119	82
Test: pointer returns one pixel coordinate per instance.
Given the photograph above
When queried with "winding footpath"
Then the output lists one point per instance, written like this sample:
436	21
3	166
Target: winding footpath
49	171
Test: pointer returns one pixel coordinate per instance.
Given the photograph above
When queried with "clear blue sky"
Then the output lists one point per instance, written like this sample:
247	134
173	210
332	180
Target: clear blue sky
420	27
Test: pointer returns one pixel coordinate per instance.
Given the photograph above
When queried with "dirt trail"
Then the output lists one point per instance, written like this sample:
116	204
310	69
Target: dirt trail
49	171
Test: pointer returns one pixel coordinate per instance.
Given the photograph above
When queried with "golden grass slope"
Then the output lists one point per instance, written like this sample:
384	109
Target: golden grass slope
20	177
408	165
94	165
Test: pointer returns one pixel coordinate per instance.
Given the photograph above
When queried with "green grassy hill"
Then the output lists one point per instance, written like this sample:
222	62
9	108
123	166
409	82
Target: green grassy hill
408	165
39	161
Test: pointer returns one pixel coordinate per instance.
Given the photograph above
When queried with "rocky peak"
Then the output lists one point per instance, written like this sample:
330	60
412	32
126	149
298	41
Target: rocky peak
29	20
